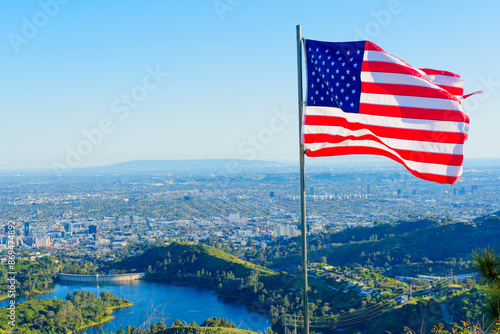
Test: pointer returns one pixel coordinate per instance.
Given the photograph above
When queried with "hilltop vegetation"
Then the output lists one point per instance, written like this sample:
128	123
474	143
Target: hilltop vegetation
33	277
213	325
80	310
464	305
188	259
413	247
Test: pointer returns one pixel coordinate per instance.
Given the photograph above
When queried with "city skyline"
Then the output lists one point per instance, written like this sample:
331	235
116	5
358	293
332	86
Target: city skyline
90	85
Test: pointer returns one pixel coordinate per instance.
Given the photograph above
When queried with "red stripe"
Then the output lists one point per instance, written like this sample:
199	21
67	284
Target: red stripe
369	46
453	90
388	132
383	67
439	72
415	113
417	156
406	90
334	151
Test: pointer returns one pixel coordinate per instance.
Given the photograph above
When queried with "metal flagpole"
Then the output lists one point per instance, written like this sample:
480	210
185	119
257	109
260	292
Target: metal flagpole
302	184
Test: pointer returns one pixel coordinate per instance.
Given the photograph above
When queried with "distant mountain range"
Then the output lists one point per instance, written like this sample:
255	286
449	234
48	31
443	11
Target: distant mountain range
234	166
230	166
223	166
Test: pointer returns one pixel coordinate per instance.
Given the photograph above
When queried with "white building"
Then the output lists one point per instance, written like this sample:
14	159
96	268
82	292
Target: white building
234	217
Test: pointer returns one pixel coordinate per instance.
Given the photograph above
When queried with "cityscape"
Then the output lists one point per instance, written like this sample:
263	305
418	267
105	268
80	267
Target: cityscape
252	212
249	167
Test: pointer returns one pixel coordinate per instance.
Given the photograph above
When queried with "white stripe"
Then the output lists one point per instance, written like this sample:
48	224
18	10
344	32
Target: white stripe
410	101
435	79
446	80
388	58
392	122
394	78
400	144
399	79
420	167
372	55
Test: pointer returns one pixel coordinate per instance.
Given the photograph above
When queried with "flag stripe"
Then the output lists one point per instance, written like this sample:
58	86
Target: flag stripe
415	113
409	101
409	155
421	167
411	73
404	79
447	81
406	90
421	146
334	151
385	131
439	72
438	77
393	122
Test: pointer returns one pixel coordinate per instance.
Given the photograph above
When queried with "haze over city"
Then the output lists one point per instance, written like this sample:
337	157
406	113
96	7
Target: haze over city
150	178
159	80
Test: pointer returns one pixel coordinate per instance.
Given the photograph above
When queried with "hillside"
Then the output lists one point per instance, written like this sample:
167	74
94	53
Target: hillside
464	305
189	258
203	330
410	246
80	310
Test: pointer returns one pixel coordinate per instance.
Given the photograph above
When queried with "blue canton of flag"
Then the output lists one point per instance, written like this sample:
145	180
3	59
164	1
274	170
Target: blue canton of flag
333	74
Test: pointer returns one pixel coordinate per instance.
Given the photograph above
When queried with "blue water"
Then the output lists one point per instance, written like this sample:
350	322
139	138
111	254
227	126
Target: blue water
154	302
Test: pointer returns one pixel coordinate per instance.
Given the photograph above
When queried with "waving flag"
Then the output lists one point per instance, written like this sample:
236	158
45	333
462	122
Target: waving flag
362	100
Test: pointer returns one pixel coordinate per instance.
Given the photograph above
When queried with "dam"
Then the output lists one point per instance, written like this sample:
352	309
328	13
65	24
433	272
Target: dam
117	278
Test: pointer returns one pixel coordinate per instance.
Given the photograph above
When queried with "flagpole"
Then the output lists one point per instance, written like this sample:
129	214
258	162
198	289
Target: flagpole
302	184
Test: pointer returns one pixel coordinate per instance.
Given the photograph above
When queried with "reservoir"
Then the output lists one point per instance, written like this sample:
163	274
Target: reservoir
155	301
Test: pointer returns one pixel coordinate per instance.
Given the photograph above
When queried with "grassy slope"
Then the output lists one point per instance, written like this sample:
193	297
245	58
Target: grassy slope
207	257
204	330
435	242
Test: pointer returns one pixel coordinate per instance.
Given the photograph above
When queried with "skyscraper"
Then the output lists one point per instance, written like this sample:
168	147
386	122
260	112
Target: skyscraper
92	229
311	191
26	228
68	227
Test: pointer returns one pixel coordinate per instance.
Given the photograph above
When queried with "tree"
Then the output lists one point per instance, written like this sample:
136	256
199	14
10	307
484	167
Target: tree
487	263
323	259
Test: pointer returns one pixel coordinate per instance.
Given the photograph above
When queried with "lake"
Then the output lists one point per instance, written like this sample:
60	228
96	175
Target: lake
154	302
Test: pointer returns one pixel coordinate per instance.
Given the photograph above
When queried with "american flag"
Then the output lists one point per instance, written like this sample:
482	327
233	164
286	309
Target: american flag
362	100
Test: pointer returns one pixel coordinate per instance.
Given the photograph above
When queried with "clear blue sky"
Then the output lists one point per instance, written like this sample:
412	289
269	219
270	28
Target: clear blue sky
68	67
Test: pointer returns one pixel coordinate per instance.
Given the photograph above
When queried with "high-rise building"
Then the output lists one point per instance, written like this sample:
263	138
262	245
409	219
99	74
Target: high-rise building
43	242
68	227
311	191
368	189
271	194
26	228
92	229
284	230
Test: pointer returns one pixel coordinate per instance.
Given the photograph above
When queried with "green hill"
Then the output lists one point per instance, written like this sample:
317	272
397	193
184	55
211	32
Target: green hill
422	249
204	330
80	310
189	259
